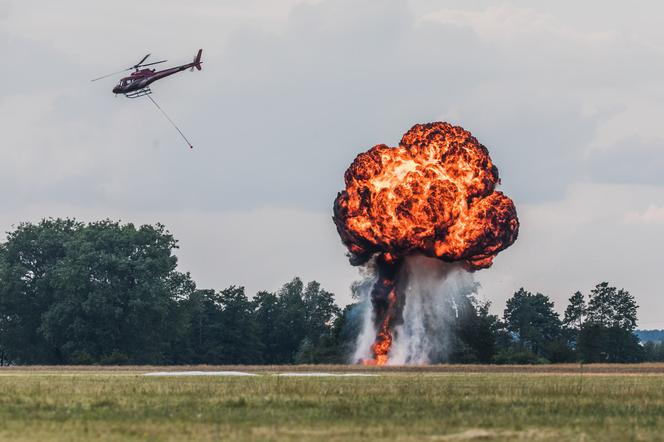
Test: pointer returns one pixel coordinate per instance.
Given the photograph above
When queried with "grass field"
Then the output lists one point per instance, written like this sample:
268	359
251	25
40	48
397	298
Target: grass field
455	403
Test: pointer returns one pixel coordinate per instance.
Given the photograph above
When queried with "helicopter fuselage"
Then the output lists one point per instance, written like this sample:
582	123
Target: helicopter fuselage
143	78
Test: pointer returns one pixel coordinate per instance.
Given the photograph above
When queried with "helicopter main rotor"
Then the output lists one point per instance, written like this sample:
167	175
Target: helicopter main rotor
136	67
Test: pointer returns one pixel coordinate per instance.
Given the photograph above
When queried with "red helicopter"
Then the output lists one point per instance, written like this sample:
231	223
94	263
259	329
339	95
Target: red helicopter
138	83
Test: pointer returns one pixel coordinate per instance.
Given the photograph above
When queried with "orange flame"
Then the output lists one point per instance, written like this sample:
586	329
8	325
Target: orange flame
383	342
435	195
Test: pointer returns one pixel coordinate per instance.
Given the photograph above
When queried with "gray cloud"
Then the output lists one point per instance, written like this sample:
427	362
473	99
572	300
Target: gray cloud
536	148
278	114
292	91
631	161
5	10
32	66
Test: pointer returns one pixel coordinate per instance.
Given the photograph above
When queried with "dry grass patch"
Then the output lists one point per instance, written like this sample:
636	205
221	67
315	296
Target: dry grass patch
435	403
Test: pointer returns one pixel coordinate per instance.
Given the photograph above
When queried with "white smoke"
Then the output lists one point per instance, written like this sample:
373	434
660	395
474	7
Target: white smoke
368	332
435	292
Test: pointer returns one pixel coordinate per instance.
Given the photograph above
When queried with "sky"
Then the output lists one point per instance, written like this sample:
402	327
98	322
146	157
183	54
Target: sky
567	96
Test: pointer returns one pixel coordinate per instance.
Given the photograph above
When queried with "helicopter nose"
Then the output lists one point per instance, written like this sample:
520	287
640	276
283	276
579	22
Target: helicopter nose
116	89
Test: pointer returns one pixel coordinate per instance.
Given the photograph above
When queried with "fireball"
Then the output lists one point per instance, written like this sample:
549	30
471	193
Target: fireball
435	194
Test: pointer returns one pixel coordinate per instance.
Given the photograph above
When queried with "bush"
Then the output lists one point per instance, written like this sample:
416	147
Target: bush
518	356
81	358
115	358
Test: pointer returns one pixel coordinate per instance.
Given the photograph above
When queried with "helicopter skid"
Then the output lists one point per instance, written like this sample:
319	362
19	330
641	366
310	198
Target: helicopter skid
139	93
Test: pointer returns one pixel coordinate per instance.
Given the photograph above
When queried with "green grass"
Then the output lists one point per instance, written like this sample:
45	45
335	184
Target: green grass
119	405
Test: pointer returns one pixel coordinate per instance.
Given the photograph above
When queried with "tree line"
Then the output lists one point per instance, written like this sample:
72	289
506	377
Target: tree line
110	293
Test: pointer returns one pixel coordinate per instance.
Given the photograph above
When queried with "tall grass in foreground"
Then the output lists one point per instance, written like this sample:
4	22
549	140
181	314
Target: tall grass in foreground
396	406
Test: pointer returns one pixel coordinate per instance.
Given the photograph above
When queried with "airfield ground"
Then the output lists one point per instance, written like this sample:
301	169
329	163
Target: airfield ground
441	403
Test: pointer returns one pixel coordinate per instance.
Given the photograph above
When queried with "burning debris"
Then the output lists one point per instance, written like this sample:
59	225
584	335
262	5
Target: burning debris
434	195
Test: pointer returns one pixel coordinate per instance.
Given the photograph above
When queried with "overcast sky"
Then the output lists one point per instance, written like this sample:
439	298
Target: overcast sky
568	96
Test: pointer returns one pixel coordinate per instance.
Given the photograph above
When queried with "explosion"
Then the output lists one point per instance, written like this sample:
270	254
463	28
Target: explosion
434	195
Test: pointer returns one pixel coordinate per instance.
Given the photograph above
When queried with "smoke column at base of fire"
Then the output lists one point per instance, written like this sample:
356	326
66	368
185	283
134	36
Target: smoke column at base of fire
434	296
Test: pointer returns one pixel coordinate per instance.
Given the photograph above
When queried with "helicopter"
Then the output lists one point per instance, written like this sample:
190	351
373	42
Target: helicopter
138	83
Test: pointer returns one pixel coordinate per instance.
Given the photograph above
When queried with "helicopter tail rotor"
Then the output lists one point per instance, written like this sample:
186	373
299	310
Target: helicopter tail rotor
197	60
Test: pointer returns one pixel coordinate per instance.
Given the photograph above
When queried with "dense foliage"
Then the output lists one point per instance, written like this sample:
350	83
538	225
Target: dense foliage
110	293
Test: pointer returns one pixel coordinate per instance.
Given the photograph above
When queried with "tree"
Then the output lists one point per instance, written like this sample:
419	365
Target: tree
532	319
607	333
610	307
319	344
598	343
202	310
26	289
573	320
575	312
654	351
296	324
182	288
477	330
101	292
221	328
290	321
266	313
319	311
345	330
238	332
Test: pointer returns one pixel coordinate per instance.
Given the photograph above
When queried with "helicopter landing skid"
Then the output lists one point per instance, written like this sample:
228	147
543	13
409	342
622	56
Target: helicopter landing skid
139	93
